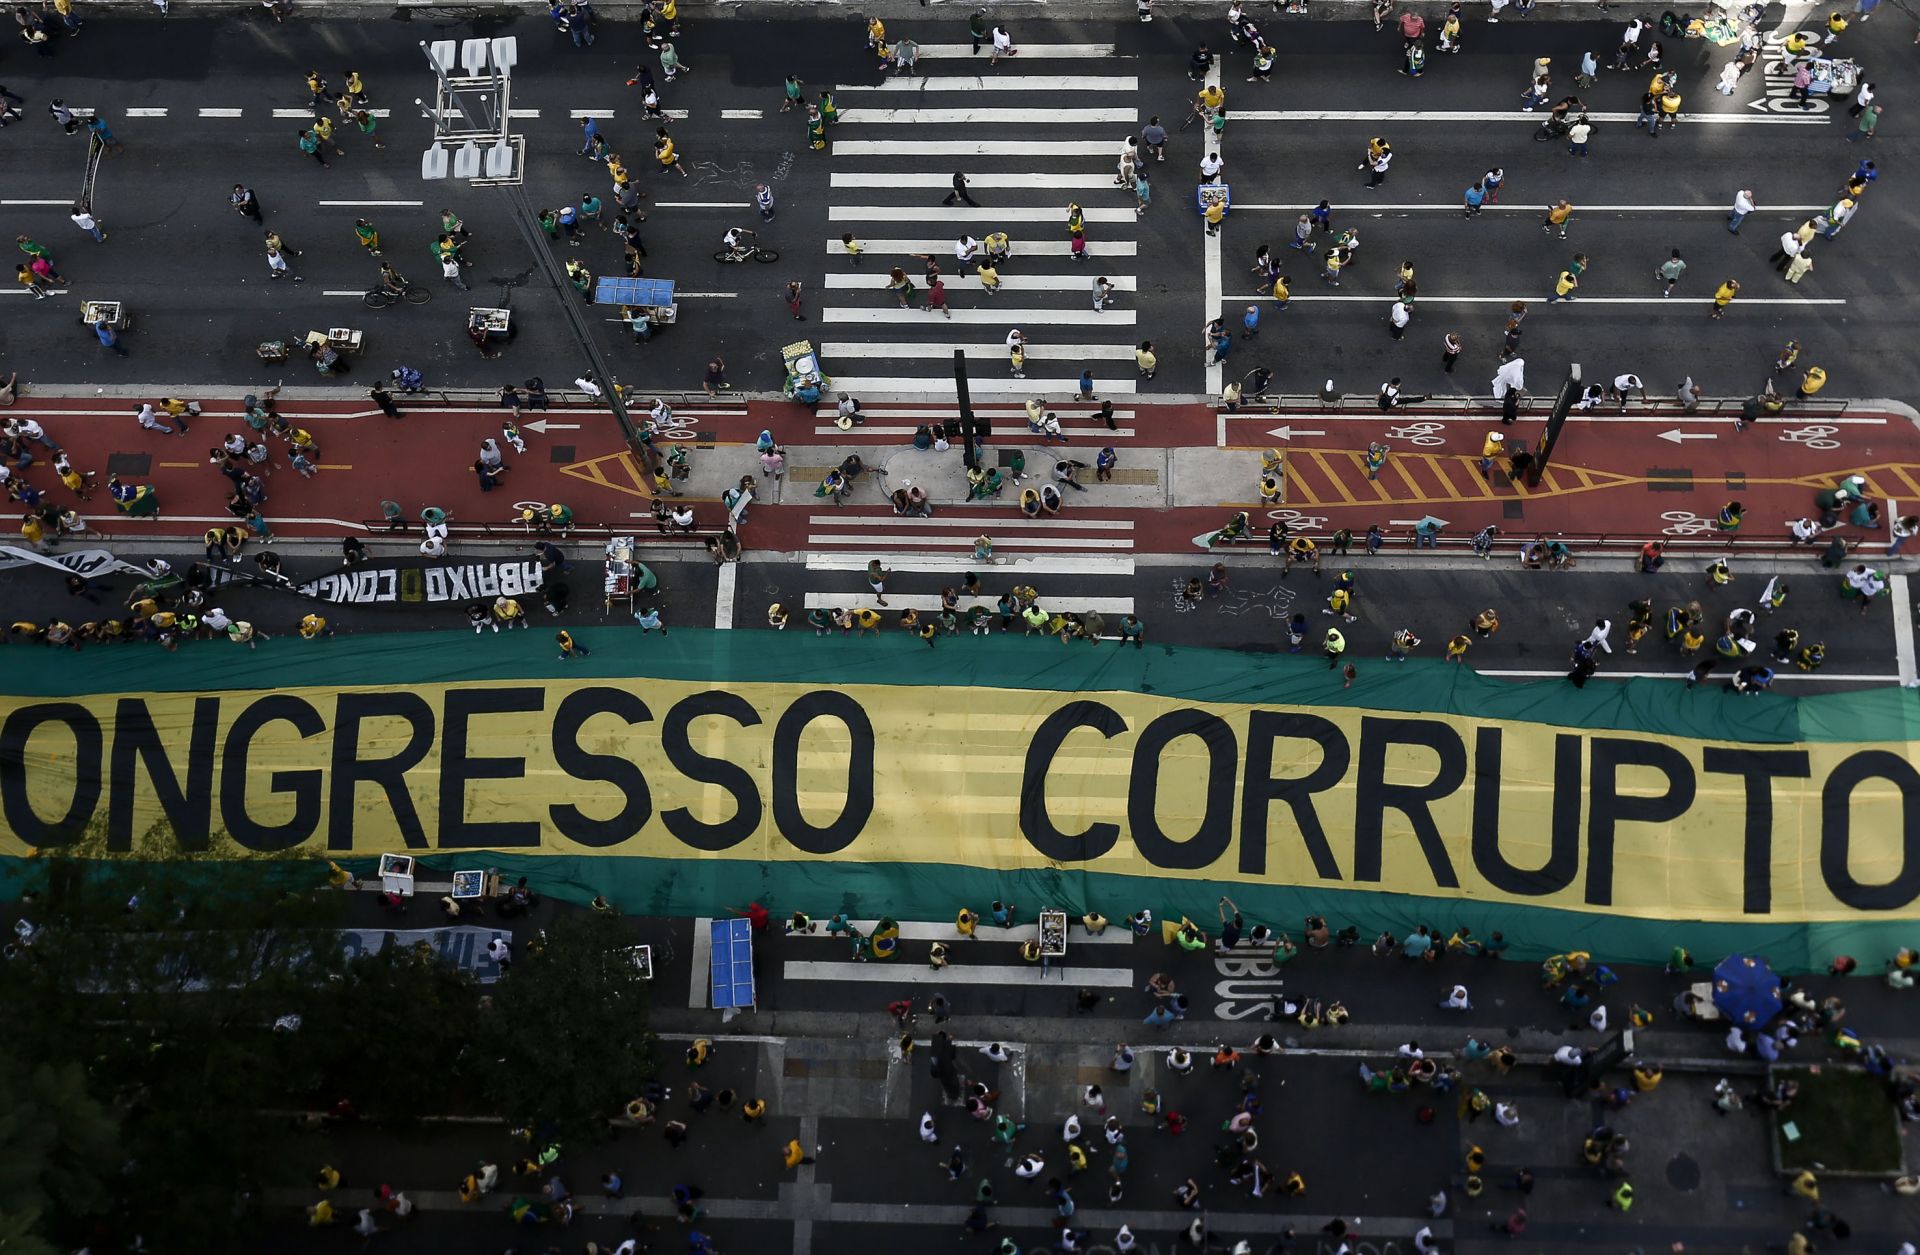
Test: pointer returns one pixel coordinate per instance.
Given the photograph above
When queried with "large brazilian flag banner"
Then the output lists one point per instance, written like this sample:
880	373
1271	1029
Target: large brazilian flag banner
683	775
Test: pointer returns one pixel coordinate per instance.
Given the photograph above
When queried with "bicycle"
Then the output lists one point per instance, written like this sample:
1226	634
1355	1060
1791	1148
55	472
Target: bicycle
382	296
753	253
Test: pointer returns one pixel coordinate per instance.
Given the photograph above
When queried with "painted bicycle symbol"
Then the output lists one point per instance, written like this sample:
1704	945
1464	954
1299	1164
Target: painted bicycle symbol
1297	521
1418	433
1685	523
1814	437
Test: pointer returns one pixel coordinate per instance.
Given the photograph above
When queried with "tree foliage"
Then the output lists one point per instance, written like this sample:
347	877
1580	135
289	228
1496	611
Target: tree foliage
566	1031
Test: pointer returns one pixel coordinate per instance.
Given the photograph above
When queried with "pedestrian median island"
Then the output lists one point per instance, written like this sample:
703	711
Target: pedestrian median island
1840	1122
676	772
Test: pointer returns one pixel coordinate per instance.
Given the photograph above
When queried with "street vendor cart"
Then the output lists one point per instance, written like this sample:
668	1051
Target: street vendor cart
1206	194
1834	76
805	380
652	297
112	312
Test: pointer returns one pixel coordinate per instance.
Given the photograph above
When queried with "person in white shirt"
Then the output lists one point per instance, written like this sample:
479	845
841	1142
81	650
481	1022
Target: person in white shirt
1411	1050
1742	206
1457	1000
1624	386
965	247
1210	167
1601	627
1568	1056
1805	531
1507	1114
996	1052
927	1131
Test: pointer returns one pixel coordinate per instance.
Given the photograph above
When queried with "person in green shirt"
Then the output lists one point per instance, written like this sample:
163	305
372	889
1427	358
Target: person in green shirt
1132	629
795	93
367	122
310	145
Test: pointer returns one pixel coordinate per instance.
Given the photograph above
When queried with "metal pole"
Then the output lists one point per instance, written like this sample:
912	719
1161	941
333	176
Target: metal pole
966	409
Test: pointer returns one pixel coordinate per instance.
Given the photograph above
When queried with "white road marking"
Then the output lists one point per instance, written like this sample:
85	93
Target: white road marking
1498	115
1427	299
983	116
986	83
997	409
145	113
1042	352
1076	52
975	522
704	204
834	433
344	292
971	148
1372	208
207	112
931	601
987	932
1090	181
910	386
905	973
311	113
961	542
943	249
1004	316
1903	626
54	201
963	214
743	115
940	564
723	599
523	113
877	282
370	204
582	114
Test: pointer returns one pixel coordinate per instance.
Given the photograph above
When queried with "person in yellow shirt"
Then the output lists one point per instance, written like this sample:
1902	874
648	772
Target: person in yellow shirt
866	619
617	170
1457	648
989	278
1145	358
1669	110
665	153
1836	27
795	1154
1210	97
313	625
1723	297
1216	214
855	249
509	612
323	130
320	1213
1811	382
1563	287
1557	216
1281	293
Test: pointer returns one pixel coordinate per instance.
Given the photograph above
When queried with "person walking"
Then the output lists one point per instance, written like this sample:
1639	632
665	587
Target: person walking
1742	206
1671	270
1378	161
1557	216
83	218
1449	351
104	332
960	191
1869	121
1723	297
1397	319
1577	136
1563	287
1145	359
792	296
310	145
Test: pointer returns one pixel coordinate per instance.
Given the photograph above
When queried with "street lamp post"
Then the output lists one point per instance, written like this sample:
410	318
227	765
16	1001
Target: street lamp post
473	139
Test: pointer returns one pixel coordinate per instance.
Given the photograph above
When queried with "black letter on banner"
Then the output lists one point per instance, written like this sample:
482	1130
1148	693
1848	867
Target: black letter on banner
1759	768
304	785
1606	808
1260	788
348	769
1373	796
623	773
84	772
1836	831
457	832
1143	791
1563	851
189	808
787	817
1036	822
700	769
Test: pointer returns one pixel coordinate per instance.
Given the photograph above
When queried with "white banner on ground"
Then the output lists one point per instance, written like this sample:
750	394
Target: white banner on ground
86	563
459	581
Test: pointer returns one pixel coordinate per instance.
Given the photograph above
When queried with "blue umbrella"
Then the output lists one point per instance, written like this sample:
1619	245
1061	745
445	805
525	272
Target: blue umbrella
1746	991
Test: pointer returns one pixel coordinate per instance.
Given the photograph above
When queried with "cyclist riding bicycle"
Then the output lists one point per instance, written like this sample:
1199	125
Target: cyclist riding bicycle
735	242
392	280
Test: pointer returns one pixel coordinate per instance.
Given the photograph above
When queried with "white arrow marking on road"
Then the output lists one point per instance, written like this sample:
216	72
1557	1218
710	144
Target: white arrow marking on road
1289	432
544	425
1675	435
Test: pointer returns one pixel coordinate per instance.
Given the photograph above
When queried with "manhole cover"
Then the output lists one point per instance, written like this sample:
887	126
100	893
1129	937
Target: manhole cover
1683	1173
